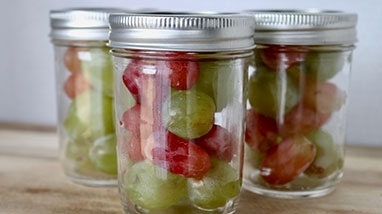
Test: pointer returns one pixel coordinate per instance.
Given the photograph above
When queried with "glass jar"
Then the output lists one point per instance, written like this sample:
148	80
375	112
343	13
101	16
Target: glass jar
180	102
85	95
298	93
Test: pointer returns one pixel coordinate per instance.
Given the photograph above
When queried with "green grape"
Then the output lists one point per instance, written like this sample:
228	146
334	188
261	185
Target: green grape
321	66
90	116
152	187
98	69
252	157
207	79
126	98
220	184
295	74
272	93
257	57
103	154
328	158
188	114
77	152
216	79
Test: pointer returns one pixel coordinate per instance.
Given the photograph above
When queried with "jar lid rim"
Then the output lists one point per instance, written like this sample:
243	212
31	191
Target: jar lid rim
311	26
302	19
81	23
177	31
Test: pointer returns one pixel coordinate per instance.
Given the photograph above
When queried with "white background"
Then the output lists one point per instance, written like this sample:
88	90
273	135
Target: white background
27	89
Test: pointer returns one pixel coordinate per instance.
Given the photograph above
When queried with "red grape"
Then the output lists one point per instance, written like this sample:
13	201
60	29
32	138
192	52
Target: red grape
181	71
302	120
71	59
76	84
132	145
325	97
131	118
180	156
279	57
288	159
140	125
261	131
132	140
218	142
135	79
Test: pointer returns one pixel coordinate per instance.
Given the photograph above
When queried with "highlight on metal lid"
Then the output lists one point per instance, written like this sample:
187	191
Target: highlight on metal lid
305	27
182	31
81	23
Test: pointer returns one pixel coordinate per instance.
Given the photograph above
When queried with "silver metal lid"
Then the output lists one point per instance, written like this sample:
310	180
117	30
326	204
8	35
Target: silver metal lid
182	31
81	23
305	27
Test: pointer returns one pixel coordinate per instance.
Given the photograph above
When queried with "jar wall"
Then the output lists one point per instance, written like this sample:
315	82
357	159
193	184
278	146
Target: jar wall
180	130
85	96
296	119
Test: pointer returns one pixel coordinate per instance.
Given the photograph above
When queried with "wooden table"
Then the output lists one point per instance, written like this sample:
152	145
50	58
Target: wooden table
31	181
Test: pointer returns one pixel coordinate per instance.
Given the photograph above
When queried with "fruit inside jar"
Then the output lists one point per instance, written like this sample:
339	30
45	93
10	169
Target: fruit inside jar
293	134
88	124
178	152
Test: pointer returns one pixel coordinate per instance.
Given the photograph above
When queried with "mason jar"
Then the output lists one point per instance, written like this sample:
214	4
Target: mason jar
180	106
298	92
85	95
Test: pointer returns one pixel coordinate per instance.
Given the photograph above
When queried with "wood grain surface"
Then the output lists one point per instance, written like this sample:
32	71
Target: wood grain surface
31	181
